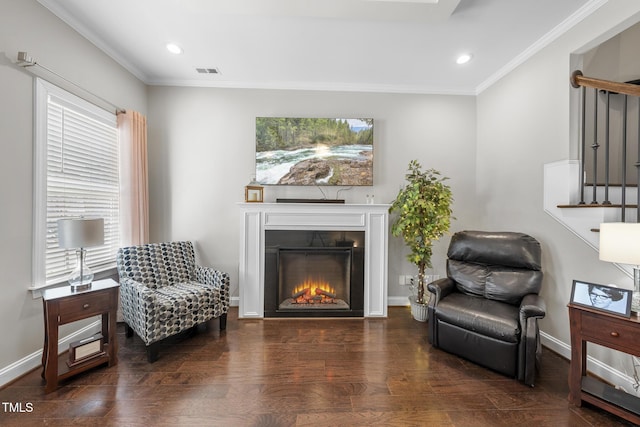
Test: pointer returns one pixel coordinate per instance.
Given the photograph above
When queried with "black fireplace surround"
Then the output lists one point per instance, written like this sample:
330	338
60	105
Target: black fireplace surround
314	273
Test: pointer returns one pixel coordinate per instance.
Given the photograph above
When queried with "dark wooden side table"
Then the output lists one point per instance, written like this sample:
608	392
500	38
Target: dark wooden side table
611	331
61	306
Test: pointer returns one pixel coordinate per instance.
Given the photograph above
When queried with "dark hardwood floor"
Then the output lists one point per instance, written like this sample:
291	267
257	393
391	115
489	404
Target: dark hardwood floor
286	372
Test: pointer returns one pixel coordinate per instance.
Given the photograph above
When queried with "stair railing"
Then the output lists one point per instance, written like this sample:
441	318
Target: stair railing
578	80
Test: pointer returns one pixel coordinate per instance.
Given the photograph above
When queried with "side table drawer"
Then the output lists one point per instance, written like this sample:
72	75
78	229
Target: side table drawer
82	306
609	331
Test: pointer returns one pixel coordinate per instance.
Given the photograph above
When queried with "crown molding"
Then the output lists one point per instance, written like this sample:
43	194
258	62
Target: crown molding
92	37
319	86
543	42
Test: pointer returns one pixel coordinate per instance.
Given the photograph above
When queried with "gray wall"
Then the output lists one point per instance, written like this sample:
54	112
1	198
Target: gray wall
202	148
26	26
201	144
523	123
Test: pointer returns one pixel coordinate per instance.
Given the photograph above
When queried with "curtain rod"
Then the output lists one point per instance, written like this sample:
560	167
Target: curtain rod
26	62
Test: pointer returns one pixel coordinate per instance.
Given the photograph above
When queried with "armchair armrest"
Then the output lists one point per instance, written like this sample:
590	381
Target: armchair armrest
532	305
141	306
216	279
440	289
136	291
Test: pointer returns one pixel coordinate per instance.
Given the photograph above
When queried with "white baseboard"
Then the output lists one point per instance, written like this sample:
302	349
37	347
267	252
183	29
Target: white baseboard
397	301
606	372
34	360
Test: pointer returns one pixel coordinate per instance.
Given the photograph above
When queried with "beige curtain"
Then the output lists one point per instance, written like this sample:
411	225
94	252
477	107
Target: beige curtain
134	187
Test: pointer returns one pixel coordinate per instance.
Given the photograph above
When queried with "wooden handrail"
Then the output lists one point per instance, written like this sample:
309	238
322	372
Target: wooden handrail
577	80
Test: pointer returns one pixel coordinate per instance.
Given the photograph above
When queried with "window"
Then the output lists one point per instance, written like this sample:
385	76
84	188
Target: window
76	174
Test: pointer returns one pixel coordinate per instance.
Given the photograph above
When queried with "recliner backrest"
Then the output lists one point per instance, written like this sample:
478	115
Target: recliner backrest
503	266
158	264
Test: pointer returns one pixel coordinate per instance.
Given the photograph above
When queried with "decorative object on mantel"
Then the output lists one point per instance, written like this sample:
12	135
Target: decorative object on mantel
423	207
80	233
254	192
335	201
620	243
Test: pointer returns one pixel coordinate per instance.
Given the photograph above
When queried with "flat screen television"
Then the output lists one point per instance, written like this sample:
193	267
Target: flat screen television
314	151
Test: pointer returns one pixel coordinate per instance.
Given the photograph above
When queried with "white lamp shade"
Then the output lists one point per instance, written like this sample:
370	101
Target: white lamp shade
80	232
620	242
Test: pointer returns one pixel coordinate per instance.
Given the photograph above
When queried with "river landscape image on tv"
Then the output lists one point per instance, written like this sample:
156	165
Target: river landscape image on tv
314	151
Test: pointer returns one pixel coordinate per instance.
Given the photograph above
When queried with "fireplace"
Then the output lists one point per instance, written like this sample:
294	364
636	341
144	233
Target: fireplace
258	222
314	273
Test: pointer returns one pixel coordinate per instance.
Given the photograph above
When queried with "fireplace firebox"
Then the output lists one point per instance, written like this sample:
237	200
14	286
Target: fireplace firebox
314	273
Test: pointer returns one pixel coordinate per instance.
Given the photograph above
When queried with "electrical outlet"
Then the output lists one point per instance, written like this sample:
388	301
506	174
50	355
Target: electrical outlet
405	280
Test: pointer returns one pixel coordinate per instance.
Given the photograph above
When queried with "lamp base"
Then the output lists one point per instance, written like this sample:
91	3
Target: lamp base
81	277
635	299
79	288
635	302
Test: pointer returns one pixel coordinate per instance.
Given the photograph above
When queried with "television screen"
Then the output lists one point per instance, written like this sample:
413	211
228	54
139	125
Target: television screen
307	151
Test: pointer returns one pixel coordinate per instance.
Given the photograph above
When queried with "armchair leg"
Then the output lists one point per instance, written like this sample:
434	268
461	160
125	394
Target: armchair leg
152	351
128	330
223	322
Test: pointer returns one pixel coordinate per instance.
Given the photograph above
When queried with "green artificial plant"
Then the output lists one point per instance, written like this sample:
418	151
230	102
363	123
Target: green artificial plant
424	212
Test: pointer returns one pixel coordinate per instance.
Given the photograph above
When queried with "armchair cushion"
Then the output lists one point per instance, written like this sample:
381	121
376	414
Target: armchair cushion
470	278
509	285
483	316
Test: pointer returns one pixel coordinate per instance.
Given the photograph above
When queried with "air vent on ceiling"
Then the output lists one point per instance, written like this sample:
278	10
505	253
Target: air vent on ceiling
208	70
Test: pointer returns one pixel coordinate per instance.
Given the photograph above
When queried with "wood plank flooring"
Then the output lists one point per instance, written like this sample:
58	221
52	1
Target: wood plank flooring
300	372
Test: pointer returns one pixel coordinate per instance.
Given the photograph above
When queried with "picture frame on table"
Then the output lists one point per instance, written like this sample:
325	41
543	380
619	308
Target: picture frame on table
608	299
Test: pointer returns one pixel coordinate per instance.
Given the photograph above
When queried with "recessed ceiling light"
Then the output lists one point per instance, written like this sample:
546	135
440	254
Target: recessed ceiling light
174	48
464	58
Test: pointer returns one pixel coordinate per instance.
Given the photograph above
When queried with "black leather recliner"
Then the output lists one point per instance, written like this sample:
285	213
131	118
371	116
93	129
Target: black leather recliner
487	308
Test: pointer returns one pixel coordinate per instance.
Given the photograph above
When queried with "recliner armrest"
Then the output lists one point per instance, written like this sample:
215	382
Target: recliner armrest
532	305
440	289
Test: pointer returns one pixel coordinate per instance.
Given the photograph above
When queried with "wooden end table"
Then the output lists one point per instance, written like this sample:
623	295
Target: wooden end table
611	331
62	305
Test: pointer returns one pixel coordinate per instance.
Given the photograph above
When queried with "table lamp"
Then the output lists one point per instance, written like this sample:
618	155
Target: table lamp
80	233
620	243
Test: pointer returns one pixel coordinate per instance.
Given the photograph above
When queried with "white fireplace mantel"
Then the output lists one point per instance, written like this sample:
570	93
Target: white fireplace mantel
256	218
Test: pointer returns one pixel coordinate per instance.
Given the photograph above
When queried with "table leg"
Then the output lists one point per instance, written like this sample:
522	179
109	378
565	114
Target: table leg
578	366
51	357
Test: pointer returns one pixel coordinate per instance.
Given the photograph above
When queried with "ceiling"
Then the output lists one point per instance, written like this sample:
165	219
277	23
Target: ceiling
406	46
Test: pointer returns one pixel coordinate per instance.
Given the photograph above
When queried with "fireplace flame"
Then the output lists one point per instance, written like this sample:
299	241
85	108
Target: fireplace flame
313	291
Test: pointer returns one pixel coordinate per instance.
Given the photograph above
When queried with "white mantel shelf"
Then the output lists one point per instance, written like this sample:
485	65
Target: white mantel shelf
256	218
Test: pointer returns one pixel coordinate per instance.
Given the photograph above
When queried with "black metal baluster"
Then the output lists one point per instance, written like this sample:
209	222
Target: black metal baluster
583	143
637	165
624	160
595	146
606	152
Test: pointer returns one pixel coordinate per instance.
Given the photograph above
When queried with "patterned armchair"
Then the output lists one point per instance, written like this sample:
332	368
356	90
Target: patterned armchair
163	292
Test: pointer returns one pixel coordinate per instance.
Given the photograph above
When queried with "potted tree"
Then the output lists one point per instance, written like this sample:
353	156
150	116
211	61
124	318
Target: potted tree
423	208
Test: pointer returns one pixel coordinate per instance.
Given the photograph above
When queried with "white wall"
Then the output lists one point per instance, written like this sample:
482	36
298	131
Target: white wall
202	148
523	123
26	26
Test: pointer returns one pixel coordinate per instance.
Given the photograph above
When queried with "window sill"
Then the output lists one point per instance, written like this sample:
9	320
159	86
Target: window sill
36	291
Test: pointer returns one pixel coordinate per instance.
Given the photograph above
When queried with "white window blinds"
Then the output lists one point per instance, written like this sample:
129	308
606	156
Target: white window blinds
77	159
